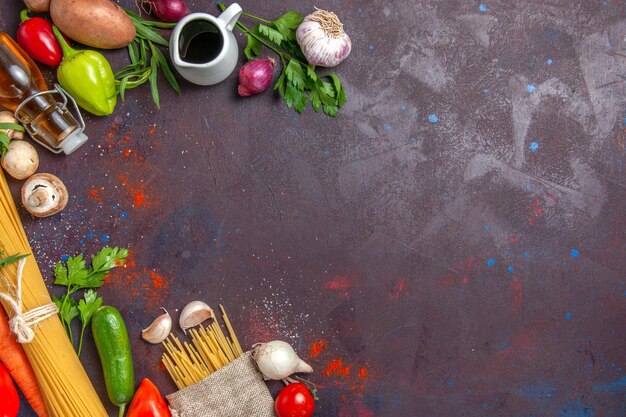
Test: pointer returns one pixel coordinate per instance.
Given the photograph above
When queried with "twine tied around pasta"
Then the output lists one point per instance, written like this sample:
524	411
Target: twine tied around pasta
22	323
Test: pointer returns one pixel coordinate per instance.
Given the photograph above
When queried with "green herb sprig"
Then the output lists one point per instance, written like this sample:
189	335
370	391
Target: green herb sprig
298	83
10	259
145	59
4	138
75	275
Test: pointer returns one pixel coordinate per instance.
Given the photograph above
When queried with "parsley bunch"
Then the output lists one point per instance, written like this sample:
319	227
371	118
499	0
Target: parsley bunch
75	275
4	138
298	83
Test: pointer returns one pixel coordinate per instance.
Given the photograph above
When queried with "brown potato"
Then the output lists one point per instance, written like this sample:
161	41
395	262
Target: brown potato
38	5
98	23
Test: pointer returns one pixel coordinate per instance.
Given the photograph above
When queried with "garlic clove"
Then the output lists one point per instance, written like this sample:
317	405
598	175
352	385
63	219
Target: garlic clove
195	313
159	329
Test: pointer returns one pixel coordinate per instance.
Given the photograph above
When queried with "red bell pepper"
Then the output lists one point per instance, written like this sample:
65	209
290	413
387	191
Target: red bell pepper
36	37
148	402
10	400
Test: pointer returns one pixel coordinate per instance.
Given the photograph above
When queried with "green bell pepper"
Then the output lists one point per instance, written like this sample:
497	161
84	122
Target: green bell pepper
87	76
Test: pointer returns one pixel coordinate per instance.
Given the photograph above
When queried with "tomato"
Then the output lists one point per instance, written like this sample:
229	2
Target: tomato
294	400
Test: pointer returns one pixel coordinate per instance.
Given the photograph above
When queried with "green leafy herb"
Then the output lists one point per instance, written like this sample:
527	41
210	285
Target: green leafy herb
4	138
145	59
87	306
68	311
298	83
10	259
75	275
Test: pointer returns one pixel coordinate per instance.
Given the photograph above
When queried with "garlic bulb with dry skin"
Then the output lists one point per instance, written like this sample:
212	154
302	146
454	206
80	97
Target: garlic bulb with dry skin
277	360
322	39
159	329
195	313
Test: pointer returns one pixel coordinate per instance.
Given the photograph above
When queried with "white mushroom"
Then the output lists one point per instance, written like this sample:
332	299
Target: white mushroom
7	117
21	160
44	195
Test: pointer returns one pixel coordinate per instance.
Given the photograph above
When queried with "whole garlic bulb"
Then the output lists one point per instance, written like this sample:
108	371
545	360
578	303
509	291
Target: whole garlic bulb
277	360
322	39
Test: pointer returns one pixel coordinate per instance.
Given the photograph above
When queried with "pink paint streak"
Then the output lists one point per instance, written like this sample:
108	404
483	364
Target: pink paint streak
355	409
399	289
535	210
463	275
342	284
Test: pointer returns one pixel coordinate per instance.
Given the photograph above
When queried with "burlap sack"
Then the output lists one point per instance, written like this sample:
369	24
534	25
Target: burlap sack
237	390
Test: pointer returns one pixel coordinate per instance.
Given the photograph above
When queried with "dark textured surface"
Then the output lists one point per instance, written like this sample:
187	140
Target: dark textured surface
452	244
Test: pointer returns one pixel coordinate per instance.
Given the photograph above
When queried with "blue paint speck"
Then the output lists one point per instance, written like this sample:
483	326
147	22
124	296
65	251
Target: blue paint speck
105	238
533	146
526	254
568	315
528	186
433	118
450	383
222	245
370	47
510	269
486	228
483	7
549	62
577	409
485	405
403	107
64	258
115	207
89	235
531	88
491	261
614	386
624	293
574	253
326	153
82	241
123	215
388	127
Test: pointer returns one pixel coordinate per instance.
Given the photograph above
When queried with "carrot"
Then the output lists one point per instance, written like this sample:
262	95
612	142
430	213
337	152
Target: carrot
13	357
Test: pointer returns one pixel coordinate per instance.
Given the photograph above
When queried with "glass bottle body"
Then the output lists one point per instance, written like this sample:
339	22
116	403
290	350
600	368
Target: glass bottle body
23	90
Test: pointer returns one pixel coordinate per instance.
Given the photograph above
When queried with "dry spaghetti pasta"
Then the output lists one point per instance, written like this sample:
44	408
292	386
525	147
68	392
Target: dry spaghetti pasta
210	350
65	386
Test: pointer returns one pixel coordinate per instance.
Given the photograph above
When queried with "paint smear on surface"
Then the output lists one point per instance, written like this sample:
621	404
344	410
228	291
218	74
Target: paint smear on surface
355	409
336	368
341	284
463	276
317	348
95	194
153	286
612	387
399	289
338	372
535	210
263	328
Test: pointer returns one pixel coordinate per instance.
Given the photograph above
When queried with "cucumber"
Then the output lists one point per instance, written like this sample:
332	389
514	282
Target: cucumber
111	337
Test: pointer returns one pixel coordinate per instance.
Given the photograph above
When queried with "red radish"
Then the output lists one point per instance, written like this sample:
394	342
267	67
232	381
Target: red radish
168	10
